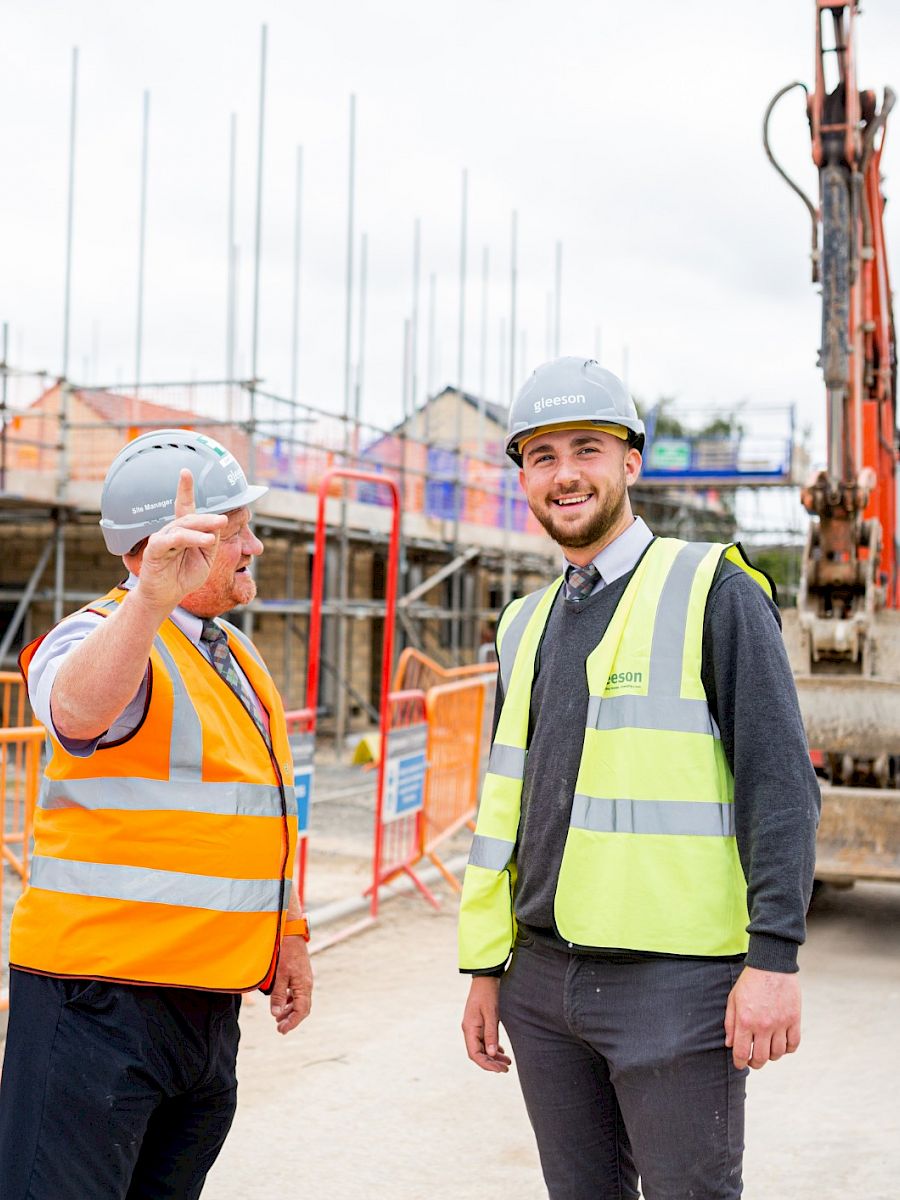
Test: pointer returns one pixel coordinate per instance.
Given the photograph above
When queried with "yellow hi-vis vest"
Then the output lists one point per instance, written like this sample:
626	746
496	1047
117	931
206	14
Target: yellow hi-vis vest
166	857
650	860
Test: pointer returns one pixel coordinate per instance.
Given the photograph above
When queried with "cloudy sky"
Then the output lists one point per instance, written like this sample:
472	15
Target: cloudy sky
628	131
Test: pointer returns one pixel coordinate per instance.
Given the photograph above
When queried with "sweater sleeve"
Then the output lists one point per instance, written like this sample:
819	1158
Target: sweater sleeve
753	699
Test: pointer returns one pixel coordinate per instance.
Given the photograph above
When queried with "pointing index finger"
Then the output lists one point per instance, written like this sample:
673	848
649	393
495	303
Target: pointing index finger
184	496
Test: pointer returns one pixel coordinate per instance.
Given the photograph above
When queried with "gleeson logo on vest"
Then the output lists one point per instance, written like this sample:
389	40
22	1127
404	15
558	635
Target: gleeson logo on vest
622	679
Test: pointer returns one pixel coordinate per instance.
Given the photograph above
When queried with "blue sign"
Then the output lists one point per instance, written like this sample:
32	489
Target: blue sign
404	787
302	749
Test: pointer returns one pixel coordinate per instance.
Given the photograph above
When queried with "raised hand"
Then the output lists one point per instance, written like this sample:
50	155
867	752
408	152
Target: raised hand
177	558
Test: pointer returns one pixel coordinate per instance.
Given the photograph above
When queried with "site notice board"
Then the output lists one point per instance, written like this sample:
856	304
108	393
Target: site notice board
404	784
303	747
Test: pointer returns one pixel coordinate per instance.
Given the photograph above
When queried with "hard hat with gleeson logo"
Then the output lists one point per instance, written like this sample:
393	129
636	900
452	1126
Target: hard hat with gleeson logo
568	390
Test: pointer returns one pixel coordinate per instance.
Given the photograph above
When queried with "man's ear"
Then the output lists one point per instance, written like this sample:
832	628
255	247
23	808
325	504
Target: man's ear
633	464
134	558
521	479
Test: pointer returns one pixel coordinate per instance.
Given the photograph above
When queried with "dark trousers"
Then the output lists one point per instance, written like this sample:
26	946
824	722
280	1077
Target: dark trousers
111	1092
625	1073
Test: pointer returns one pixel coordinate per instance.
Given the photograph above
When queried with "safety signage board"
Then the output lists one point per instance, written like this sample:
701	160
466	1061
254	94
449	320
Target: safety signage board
303	747
404	784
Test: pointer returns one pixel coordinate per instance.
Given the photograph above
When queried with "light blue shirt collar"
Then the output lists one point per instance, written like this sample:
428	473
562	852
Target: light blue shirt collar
622	554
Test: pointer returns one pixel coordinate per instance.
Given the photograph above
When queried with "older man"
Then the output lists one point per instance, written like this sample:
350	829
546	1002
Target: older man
163	851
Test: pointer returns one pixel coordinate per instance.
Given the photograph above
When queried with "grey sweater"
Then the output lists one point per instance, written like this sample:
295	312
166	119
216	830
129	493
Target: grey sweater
752	698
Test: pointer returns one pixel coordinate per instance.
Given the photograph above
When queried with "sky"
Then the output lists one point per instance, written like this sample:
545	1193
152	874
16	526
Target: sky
630	133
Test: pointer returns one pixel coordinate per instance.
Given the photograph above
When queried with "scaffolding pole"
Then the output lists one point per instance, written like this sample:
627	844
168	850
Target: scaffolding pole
70	215
295	306
142	235
507	481
340	699
231	271
459	491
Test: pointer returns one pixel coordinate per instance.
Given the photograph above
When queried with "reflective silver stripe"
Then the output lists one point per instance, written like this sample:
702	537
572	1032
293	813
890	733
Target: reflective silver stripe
512	636
492	853
148	886
669	713
159	795
507	760
699	819
186	744
670	626
243	639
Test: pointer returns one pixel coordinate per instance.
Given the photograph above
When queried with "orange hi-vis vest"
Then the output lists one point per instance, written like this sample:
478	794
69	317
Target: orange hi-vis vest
166	857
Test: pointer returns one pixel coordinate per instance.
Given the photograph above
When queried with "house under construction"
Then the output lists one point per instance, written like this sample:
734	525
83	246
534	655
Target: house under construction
468	541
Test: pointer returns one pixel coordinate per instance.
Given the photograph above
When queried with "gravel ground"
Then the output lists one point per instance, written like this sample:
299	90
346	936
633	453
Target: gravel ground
373	1097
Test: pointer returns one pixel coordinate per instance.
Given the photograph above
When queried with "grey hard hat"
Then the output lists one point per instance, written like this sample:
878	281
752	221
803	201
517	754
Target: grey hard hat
139	490
571	389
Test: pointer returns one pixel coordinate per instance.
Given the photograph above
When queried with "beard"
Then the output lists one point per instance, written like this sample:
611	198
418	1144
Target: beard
607	513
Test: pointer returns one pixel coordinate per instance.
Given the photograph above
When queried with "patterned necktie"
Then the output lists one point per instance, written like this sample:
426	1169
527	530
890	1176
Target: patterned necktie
580	581
220	656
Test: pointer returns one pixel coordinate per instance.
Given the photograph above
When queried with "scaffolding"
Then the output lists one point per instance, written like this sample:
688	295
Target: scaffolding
469	542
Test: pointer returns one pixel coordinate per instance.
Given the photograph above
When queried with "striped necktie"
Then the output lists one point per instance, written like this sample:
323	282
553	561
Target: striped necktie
220	656
580	581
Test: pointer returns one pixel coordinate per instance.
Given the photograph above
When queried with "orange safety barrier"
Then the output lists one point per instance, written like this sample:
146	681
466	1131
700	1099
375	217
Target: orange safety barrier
416	670
14	707
455	751
20	776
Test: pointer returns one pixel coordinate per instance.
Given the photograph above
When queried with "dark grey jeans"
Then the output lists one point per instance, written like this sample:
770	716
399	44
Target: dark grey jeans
625	1073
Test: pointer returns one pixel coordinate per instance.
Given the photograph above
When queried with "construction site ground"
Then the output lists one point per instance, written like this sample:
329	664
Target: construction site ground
373	1098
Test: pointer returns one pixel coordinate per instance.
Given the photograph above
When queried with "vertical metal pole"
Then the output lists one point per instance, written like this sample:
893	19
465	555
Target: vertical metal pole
340	696
288	631
414	323
59	574
3	422
482	384
247	616
502	383
461	347
73	112
432	320
459	490
142	233
513	284
259	197
507	477
556	332
231	299
361	336
409	405
295	309
548	327
348	307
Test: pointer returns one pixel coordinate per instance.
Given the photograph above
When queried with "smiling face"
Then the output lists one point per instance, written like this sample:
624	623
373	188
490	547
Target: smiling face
229	582
576	483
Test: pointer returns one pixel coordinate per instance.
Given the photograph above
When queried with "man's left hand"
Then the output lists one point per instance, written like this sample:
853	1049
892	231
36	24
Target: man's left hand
292	994
762	1018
